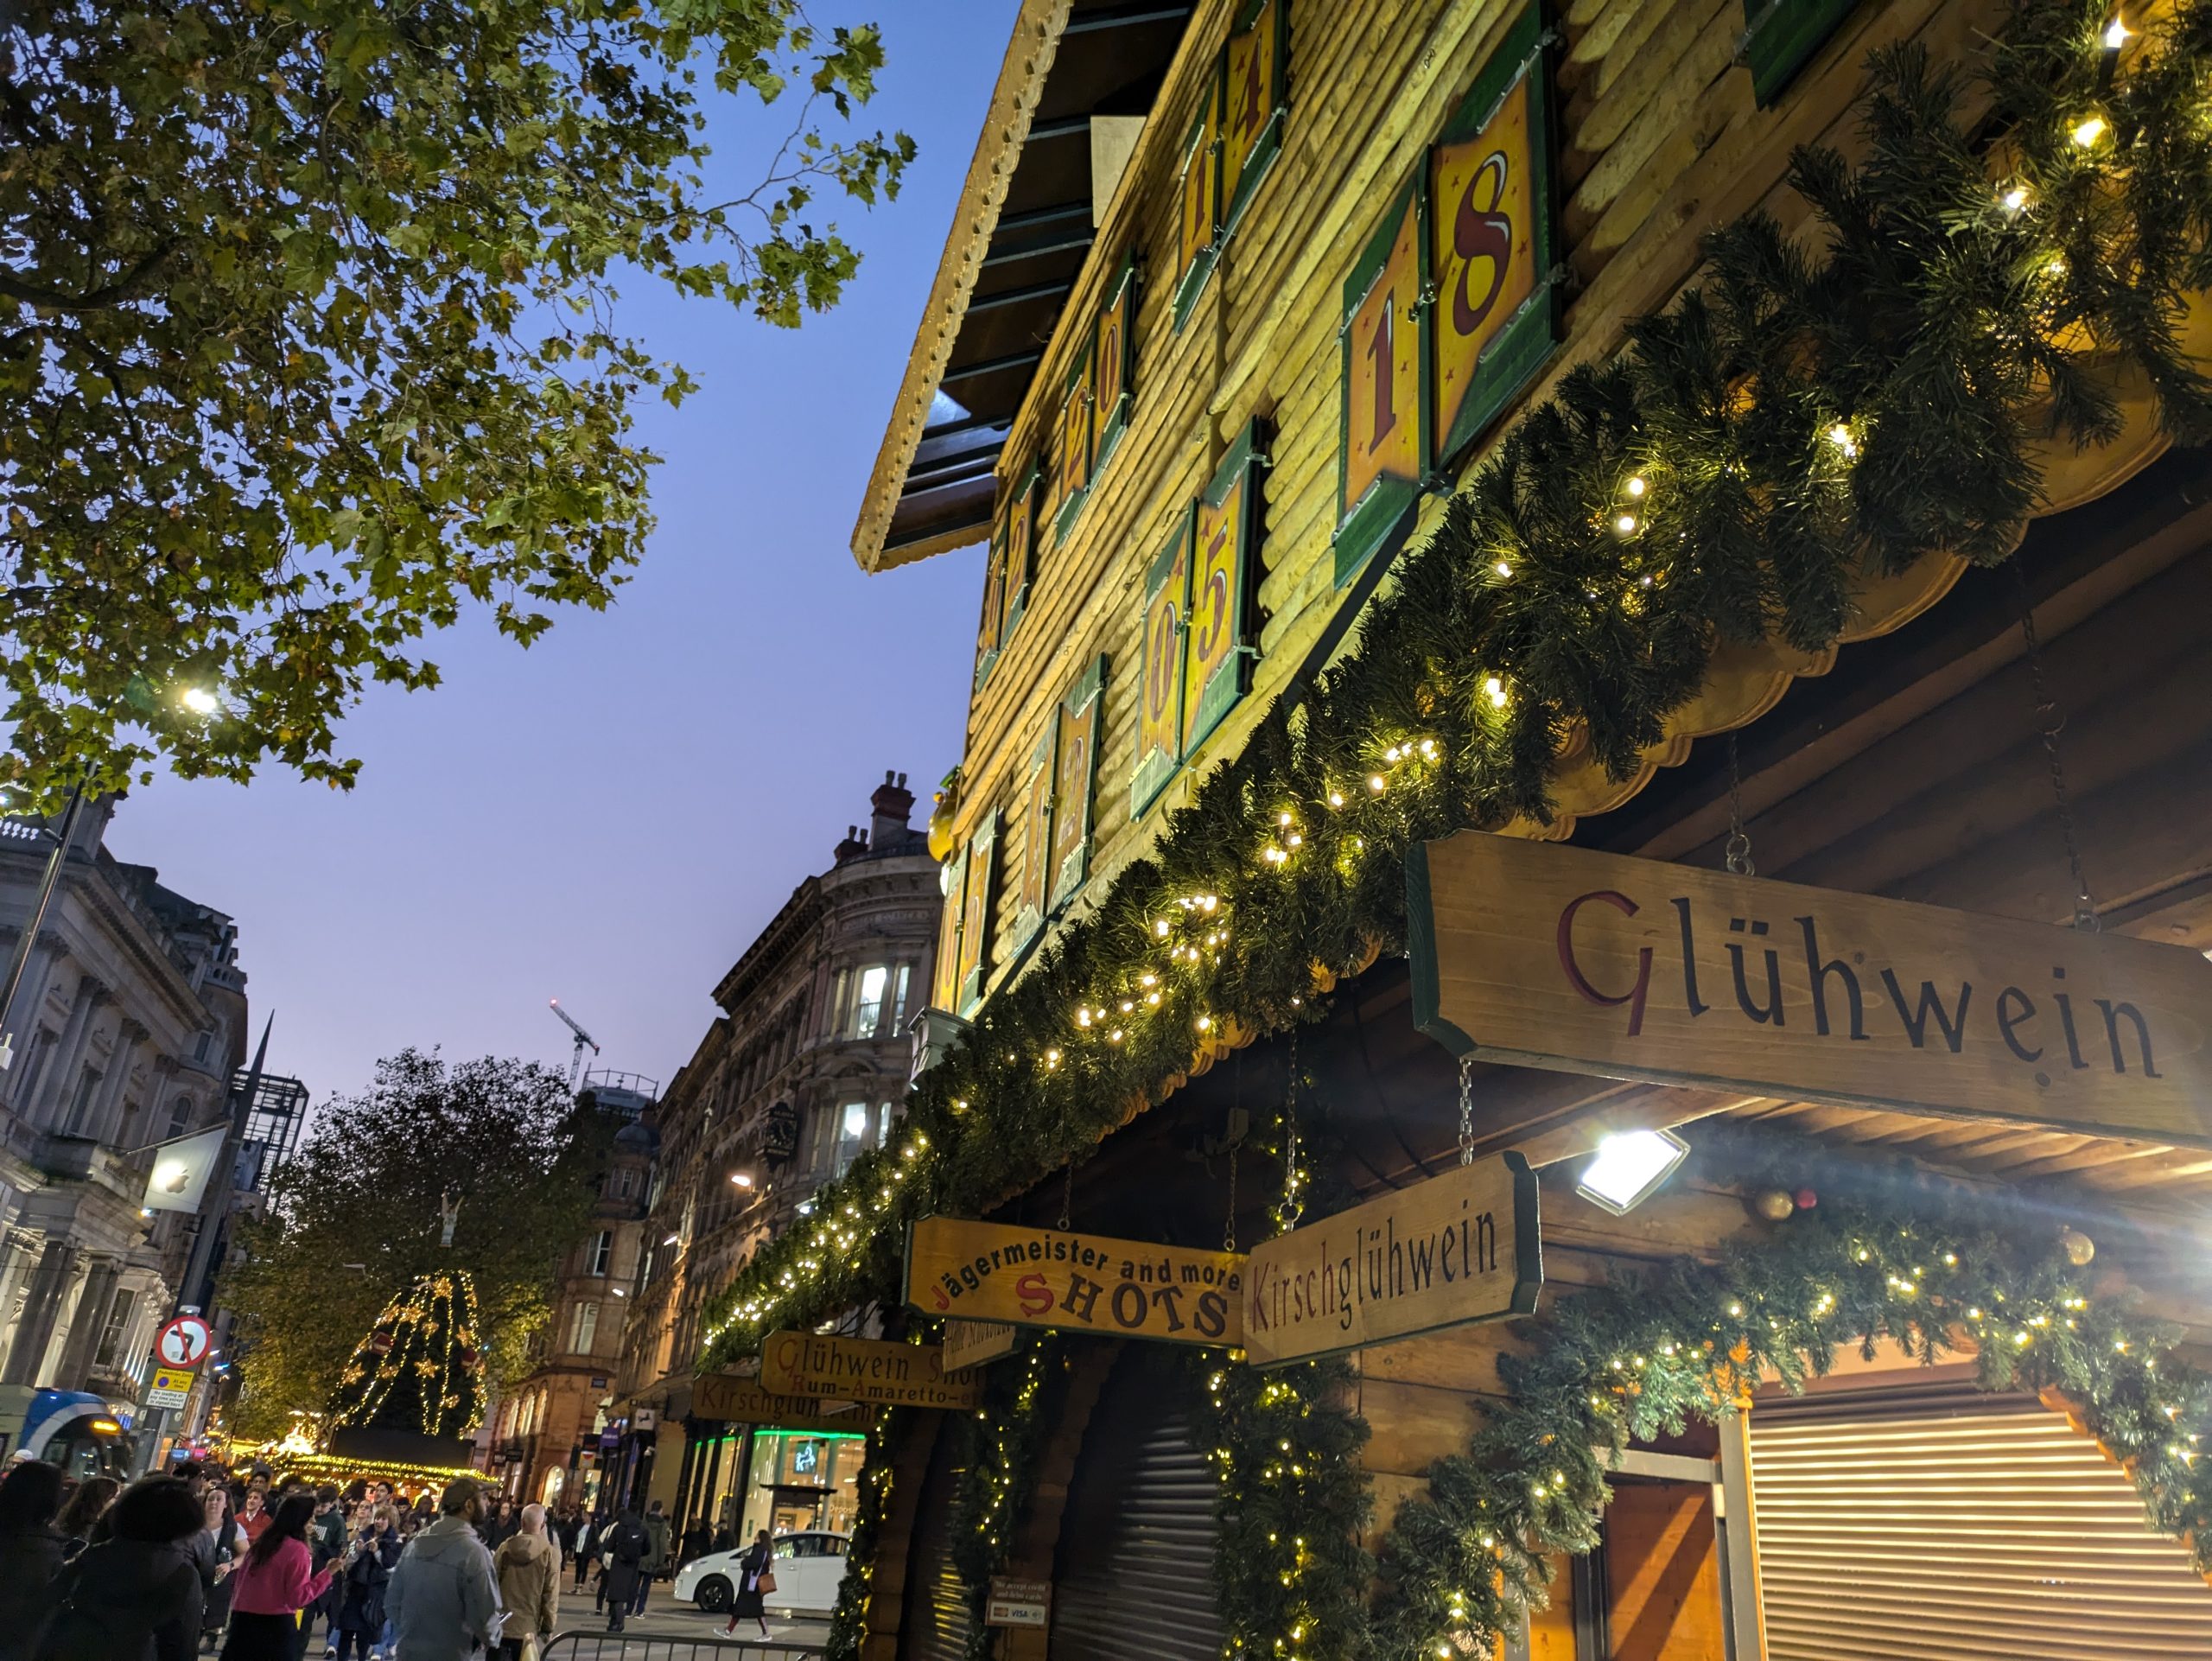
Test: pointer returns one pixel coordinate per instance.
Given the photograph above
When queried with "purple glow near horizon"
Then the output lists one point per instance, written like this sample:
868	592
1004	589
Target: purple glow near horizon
610	816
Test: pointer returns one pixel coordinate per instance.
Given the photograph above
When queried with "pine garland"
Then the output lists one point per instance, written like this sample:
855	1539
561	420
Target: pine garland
1290	1571
1816	414
848	1620
1887	1253
1022	1397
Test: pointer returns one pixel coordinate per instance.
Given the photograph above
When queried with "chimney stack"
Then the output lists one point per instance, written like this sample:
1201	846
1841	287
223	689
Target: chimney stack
854	844
892	803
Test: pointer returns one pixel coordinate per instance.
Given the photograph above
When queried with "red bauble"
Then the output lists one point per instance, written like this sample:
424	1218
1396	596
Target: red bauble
380	1342
1805	1199
468	1357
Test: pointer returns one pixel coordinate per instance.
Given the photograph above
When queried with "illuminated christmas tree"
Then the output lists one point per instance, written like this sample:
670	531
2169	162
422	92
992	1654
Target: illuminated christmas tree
420	1371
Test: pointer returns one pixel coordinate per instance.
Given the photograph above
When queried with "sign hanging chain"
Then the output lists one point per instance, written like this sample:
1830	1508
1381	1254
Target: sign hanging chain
1067	1195
2053	723
1467	1108
1739	848
1294	1198
1229	1227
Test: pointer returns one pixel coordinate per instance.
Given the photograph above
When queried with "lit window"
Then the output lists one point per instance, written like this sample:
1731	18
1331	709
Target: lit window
603	1254
868	1008
855	1130
583	1331
899	997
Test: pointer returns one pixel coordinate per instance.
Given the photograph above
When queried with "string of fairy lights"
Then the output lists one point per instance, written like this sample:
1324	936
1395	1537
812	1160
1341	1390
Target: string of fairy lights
1712	483
420	1357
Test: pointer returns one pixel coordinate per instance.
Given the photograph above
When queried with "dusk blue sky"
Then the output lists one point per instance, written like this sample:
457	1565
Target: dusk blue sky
613	815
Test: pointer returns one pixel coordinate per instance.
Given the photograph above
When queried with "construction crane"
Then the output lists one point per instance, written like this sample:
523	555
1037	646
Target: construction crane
584	1041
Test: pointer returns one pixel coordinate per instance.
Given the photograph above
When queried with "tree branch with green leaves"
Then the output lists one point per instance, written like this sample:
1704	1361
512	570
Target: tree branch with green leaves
309	337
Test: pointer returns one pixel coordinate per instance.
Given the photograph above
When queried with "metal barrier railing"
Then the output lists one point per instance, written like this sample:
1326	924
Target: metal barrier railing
646	1646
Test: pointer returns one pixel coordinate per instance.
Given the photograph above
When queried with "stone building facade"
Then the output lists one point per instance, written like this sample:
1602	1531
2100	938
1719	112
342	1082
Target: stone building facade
128	1026
806	1067
547	1433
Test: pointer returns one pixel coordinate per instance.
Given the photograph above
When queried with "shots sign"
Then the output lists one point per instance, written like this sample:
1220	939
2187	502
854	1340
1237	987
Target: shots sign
1018	1603
975	1343
1458	1248
869	1370
741	1400
1565	957
1084	1282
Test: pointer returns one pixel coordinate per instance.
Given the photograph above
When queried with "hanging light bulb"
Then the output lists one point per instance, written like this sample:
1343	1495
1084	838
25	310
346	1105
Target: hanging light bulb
2116	33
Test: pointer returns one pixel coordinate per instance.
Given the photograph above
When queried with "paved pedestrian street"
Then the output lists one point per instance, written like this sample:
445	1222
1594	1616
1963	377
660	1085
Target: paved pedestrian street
648	1637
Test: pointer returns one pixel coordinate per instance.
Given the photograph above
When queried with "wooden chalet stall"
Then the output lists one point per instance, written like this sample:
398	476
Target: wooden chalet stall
1237	293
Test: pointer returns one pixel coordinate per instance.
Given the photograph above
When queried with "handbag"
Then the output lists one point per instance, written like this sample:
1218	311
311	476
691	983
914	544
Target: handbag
764	1583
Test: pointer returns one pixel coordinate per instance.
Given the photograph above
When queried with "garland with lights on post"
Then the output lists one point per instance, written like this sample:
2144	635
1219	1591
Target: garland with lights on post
1023	1397
849	1618
1815	416
1887	1252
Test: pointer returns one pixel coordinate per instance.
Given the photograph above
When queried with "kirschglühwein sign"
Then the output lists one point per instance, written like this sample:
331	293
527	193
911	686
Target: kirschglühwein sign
1587	961
1458	1247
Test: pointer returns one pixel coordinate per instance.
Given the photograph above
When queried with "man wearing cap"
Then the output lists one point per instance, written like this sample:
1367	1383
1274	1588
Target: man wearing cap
443	1600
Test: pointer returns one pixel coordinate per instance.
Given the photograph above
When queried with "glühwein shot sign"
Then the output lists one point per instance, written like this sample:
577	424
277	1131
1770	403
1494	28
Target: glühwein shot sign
1565	957
869	1370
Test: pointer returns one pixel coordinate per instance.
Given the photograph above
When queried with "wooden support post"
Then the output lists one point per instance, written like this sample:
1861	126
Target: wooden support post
1739	1542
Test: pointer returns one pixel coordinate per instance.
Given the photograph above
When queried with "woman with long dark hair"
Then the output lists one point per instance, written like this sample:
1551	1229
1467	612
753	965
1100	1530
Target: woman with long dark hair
134	1595
277	1581
79	1524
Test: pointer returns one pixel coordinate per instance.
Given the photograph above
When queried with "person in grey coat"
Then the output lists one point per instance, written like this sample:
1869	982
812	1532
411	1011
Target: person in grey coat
443	1600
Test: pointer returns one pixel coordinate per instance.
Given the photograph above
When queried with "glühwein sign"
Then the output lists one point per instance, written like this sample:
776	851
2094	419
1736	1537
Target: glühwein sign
862	1370
1565	957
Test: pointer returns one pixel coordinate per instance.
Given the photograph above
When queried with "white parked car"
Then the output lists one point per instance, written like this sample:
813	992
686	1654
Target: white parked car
808	1568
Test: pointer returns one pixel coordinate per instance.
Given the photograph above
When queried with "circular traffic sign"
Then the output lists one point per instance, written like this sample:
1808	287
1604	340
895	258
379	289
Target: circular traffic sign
183	1342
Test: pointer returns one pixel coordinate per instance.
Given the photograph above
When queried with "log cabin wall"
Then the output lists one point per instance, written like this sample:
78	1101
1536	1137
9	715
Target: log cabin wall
1660	138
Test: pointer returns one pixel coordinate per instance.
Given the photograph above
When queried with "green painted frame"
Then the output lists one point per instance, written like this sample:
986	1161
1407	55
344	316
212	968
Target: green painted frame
1021	562
1191	281
1084	367
1150	773
1369	522
979	864
1113	422
1781	36
1246	460
1087	697
1029	921
1268	146
1520	349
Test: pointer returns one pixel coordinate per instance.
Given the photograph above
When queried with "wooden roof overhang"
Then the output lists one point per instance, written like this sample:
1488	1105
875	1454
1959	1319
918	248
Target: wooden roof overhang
1020	237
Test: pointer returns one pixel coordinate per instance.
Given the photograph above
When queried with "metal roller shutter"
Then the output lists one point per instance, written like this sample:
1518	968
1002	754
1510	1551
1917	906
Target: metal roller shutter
1960	1535
1134	1580
937	1614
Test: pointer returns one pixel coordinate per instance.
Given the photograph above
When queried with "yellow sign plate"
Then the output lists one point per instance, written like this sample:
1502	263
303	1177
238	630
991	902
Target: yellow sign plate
733	1397
1080	1282
1458	1248
975	1343
862	1370
1565	957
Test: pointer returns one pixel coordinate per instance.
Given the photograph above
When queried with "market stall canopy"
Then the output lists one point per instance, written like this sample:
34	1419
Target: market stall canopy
1075	74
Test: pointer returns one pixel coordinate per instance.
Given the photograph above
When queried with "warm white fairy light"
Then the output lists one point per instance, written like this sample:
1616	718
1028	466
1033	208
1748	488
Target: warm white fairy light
2088	130
1496	690
2116	33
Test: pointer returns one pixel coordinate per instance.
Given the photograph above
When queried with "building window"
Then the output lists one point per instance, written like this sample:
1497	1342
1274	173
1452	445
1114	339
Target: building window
583	1329
201	1045
856	1130
868	1008
179	1115
602	1257
80	1107
109	1357
899	997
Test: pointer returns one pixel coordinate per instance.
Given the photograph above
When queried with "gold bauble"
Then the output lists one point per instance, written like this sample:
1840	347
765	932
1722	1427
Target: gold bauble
2080	1250
1774	1204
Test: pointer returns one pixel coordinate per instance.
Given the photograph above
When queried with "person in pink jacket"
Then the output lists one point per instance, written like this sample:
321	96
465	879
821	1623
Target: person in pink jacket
275	1582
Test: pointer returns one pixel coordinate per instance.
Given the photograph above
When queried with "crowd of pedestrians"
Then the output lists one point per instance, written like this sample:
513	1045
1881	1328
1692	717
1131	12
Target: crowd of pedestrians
175	1566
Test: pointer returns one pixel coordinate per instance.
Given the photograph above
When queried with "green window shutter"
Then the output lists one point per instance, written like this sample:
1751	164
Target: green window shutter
1159	690
1219	653
982	874
1075	767
1781	37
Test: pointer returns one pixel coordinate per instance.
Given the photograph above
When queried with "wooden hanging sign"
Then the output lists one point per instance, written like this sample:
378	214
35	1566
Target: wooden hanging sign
739	1399
1565	957
975	1343
1458	1248
1082	1282
882	1374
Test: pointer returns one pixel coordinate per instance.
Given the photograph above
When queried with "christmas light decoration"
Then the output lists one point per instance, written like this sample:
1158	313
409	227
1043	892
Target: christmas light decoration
419	1369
